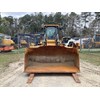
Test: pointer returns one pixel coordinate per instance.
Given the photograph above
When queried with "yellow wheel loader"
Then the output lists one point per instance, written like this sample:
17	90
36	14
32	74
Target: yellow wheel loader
96	40
51	56
6	44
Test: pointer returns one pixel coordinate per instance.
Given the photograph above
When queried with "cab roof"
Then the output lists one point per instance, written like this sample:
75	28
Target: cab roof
51	25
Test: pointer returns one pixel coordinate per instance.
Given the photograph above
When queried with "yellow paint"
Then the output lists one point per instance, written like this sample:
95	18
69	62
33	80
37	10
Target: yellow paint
7	42
23	42
51	42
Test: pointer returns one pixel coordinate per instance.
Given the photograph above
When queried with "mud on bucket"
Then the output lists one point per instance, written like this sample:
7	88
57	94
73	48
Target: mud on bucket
48	59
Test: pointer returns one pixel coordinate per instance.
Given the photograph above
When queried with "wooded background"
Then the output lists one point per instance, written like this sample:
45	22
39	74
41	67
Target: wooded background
85	23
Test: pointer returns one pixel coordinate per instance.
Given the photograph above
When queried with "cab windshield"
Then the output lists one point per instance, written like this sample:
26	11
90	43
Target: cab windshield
7	37
97	38
51	32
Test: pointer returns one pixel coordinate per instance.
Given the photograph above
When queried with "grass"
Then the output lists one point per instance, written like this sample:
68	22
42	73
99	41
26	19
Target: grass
9	57
92	56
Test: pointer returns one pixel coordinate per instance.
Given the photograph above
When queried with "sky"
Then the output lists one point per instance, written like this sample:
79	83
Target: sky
20	14
14	14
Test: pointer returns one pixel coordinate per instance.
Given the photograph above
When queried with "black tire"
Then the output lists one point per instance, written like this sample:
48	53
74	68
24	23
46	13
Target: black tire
71	44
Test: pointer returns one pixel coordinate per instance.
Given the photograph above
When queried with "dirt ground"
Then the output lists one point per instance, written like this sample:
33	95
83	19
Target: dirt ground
14	77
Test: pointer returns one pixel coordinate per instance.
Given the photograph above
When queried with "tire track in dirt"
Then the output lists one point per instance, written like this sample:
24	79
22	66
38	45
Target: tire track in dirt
14	77
10	74
90	73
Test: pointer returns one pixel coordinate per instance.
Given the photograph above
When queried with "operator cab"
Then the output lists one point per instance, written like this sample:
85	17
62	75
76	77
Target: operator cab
51	36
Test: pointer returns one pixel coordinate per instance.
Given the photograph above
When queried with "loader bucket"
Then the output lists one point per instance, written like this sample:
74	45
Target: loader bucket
51	59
